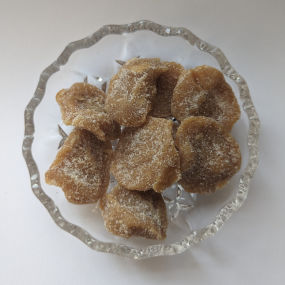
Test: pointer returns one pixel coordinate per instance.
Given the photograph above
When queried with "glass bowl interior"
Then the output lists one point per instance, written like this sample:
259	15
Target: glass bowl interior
189	215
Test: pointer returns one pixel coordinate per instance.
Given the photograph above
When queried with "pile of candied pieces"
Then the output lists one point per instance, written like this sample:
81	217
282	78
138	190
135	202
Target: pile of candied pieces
152	154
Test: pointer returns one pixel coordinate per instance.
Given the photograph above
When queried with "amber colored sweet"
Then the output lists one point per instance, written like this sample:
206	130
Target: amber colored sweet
82	105
146	157
132	91
203	91
81	167
207	76
209	155
165	85
134	213
187	97
221	105
98	123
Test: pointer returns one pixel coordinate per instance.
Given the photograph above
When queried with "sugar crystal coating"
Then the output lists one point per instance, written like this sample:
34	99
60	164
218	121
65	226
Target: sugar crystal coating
146	157
221	105
203	91
209	155
132	91
134	213
82	105
98	123
207	76
187	97
81	167
165	85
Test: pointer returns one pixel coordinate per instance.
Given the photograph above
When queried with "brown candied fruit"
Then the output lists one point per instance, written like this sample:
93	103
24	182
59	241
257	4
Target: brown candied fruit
203	91
207	77
165	85
146	157
209	155
134	213
82	105
187	97
81	167
132	91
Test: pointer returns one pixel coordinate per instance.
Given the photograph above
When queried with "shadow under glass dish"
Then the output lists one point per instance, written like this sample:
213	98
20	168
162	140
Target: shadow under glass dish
191	217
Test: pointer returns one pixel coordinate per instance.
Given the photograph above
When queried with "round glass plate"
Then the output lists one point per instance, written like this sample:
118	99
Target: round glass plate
192	218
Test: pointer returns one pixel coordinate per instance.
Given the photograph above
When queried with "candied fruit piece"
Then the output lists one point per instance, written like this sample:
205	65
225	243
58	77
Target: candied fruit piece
134	213
207	76
146	157
132	91
203	91
98	123
187	97
209	155
165	85
82	105
221	105
81	167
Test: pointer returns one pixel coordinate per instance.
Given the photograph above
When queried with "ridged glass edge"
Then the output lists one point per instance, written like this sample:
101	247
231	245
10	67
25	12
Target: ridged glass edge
195	236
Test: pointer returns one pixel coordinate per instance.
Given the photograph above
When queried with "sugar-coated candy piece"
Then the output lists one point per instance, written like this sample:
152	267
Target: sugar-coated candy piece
146	157
207	76
203	91
165	85
82	105
134	213
209	155
81	167
187	97
132	91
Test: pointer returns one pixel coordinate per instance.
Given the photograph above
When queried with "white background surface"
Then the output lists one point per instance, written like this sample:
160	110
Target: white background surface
249	249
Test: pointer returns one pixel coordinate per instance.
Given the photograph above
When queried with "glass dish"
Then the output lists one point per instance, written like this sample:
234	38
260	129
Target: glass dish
191	218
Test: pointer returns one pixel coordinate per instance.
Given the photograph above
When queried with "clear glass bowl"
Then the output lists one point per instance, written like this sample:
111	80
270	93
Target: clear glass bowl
191	218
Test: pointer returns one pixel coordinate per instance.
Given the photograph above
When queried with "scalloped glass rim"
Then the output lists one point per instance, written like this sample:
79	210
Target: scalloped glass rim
195	236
